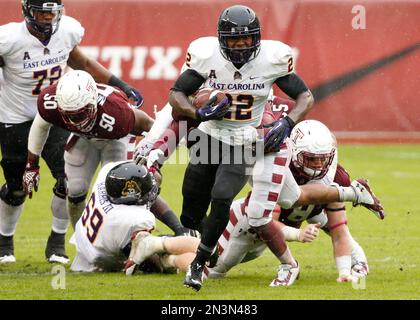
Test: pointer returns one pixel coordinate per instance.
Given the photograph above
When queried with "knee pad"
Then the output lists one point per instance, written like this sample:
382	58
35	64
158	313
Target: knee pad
76	200
77	187
60	188
255	212
191	222
12	197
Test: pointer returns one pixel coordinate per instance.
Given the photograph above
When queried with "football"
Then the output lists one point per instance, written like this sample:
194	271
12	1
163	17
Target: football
199	98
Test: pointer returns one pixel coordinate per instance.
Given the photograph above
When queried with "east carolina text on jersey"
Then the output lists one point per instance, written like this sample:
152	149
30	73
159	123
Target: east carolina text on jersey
248	88
31	66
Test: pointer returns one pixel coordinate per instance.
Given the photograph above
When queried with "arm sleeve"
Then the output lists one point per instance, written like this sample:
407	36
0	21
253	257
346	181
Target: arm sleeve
188	82
292	85
38	135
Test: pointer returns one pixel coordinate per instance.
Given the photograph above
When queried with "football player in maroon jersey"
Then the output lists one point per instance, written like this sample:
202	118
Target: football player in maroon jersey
34	53
103	125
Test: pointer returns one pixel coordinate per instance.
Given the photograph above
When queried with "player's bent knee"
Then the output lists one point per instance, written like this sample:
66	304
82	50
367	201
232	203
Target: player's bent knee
190	222
12	197
77	199
77	187
259	222
285	204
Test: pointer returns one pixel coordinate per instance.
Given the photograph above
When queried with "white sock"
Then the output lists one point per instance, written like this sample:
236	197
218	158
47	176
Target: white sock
357	252
60	221
346	194
343	264
9	216
287	258
158	244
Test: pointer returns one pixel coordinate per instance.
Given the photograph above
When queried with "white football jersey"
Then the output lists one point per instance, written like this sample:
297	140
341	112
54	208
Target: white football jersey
31	66
105	227
248	87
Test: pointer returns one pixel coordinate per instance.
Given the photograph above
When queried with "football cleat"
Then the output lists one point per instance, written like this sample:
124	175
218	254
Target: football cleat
286	275
194	276
55	251
6	249
366	198
360	269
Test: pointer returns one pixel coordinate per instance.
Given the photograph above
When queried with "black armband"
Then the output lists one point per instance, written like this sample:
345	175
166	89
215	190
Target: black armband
2	64
117	82
292	85
188	82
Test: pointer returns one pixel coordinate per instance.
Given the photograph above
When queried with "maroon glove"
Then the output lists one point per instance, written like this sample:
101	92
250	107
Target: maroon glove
30	180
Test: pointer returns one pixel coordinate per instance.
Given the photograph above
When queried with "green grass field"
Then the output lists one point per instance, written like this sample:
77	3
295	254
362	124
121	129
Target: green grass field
391	245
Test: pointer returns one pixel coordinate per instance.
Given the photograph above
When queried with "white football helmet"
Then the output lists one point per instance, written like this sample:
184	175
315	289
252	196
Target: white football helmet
77	99
313	148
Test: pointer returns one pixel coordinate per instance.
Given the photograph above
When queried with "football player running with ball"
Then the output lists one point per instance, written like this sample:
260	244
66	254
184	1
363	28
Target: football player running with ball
33	55
245	68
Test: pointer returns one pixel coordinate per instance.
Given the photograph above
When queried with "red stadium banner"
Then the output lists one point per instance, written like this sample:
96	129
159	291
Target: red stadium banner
361	59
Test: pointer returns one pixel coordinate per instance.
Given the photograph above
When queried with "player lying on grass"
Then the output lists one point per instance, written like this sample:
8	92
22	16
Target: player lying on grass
117	216
314	161
103	125
309	194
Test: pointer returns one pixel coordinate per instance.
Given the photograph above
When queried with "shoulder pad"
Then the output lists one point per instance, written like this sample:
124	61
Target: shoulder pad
277	52
8	34
73	28
199	53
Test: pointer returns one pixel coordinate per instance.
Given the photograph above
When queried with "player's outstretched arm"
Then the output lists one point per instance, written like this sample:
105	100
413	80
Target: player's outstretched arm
79	61
37	137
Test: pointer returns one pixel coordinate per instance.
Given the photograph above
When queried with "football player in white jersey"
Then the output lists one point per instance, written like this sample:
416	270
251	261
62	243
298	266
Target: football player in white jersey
244	67
33	55
116	224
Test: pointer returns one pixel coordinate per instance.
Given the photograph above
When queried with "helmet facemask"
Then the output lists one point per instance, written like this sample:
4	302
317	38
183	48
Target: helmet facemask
30	8
313	149
77	99
82	119
240	55
313	166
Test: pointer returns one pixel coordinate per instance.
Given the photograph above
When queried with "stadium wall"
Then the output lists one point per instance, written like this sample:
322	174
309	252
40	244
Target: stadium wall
361	59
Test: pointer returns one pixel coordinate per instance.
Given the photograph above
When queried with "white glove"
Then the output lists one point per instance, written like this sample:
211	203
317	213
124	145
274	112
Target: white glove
154	156
142	150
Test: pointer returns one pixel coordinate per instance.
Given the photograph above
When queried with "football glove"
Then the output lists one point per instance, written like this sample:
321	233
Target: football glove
132	93
276	136
142	151
366	198
154	156
30	179
212	111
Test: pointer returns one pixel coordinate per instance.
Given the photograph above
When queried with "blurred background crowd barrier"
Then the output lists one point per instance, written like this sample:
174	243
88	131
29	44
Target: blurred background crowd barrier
361	59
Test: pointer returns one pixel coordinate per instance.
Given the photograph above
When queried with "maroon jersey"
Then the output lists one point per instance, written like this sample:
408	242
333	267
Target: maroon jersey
114	120
274	111
295	217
